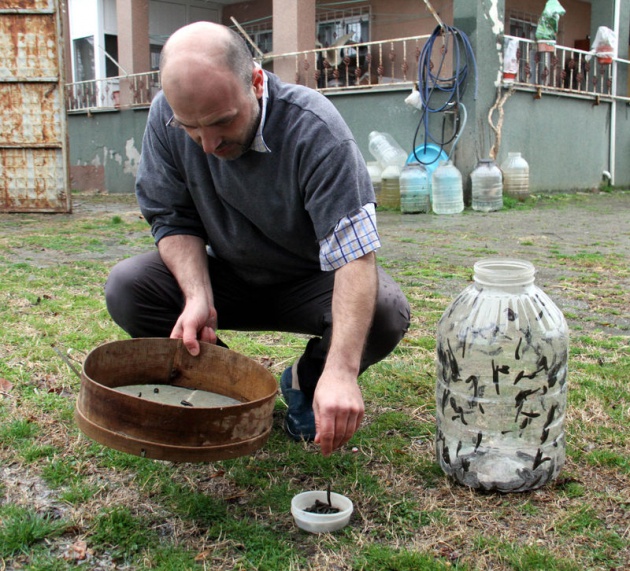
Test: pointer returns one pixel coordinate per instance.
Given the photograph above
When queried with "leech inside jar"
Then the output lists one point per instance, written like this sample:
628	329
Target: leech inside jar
178	396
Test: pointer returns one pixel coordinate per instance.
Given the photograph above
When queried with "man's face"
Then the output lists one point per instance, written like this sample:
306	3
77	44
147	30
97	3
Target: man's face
220	113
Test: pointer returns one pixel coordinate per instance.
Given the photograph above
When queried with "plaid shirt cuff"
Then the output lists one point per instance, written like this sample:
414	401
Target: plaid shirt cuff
353	237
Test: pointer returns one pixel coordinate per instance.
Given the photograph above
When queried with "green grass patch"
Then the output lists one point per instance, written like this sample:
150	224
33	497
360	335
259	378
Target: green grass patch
22	528
135	513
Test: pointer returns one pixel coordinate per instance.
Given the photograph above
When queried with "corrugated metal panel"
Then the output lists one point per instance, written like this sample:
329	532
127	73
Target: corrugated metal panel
33	139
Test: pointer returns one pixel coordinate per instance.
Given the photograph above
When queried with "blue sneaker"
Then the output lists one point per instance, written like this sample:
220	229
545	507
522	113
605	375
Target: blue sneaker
299	421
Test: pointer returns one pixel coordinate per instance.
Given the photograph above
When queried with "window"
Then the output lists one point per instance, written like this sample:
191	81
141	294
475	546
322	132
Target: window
111	50
522	29
524	24
331	27
155	52
84	58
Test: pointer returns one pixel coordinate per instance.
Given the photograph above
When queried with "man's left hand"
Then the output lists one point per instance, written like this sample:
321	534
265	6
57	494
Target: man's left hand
338	407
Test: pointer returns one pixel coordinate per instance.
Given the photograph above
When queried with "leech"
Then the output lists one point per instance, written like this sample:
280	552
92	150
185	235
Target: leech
186	403
320	507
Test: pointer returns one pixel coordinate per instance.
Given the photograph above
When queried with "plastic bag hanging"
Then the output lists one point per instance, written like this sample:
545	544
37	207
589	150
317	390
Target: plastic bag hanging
547	28
605	45
510	59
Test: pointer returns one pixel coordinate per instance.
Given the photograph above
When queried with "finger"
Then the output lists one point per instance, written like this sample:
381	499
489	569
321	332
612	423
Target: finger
345	433
190	341
208	335
325	433
177	332
325	441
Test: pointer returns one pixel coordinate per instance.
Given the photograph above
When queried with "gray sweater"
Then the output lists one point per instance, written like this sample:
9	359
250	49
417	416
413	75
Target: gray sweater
263	213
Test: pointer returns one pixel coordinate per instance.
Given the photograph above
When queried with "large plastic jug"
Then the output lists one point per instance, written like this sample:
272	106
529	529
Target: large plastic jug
375	170
390	188
487	186
415	189
501	391
447	191
515	176
386	150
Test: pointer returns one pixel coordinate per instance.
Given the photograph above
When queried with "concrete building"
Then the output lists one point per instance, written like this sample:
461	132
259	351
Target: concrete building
566	112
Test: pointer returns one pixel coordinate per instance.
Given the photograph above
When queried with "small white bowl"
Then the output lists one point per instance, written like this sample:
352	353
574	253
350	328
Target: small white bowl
321	523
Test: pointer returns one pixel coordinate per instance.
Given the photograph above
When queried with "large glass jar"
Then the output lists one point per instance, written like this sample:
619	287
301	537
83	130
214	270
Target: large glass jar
501	392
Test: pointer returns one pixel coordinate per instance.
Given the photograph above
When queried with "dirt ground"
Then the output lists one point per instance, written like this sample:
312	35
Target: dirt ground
570	241
565	237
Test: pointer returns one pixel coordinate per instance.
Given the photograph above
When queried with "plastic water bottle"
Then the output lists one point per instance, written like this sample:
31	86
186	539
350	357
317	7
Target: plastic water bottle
515	176
487	186
375	170
447	191
390	188
386	150
501	392
415	189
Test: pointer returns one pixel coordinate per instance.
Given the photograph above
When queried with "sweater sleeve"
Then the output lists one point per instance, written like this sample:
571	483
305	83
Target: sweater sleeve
161	189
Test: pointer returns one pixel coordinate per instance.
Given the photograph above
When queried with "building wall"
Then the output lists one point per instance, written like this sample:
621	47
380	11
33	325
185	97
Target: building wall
400	18
167	16
574	25
107	145
247	12
105	150
566	141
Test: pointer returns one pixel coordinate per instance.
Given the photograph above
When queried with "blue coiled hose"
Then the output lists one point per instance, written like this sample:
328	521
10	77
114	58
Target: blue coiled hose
453	86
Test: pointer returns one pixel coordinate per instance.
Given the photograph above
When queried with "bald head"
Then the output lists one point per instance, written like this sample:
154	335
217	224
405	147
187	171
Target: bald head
204	47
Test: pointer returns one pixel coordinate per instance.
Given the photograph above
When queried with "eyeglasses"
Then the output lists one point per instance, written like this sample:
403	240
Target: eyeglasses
174	123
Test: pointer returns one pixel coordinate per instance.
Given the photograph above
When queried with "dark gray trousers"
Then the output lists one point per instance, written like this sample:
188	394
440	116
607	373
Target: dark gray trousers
145	300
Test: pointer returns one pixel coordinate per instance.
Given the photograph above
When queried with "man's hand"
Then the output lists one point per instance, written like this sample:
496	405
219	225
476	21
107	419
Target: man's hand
186	258
338	404
339	408
198	322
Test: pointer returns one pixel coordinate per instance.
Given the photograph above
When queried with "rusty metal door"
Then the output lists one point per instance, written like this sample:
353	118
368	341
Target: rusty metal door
33	133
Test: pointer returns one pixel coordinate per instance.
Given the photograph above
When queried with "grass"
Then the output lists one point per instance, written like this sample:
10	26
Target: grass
66	501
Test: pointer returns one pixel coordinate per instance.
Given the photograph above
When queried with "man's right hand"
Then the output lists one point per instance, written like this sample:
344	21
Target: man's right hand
198	322
186	258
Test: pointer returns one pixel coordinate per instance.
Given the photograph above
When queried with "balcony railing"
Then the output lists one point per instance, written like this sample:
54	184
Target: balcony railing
569	72
135	90
383	65
354	66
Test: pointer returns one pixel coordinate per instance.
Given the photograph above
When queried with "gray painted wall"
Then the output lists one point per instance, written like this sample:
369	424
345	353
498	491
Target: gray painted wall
564	140
109	142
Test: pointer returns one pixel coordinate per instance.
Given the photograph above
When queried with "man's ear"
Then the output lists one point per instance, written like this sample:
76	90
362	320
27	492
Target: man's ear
258	81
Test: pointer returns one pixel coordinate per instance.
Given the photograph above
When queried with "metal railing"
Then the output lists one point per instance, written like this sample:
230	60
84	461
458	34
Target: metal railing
379	65
568	72
134	90
354	66
385	64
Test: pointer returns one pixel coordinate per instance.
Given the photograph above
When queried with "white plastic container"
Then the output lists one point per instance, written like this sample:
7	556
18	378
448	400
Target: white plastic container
487	186
386	150
501	390
447	191
375	170
415	189
321	523
515	176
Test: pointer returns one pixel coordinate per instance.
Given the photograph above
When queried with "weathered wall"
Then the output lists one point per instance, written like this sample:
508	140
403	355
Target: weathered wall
565	141
105	149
